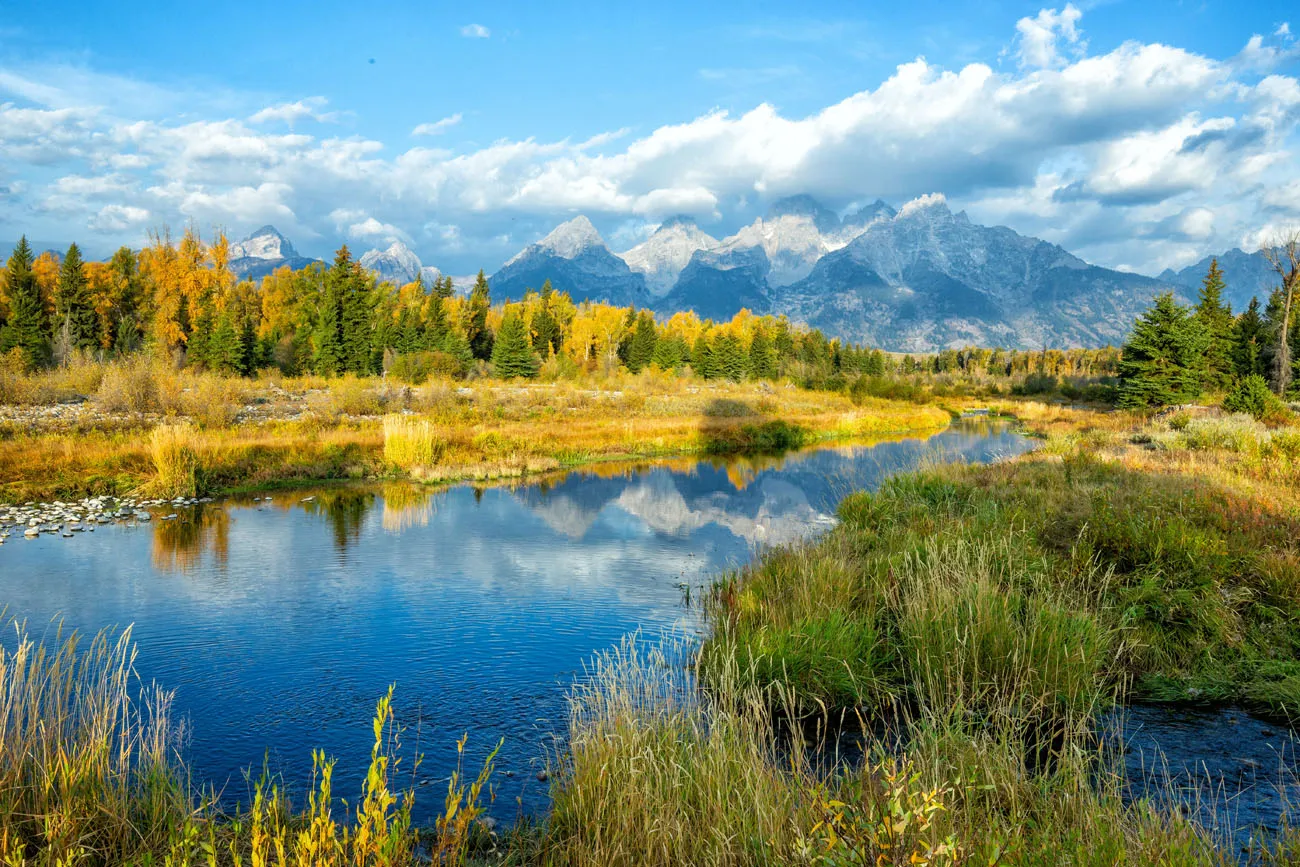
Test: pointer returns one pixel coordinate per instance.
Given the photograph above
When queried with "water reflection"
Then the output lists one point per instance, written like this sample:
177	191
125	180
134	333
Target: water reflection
279	622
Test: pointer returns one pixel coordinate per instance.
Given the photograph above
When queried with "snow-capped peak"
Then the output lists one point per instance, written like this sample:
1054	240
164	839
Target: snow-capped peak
569	239
931	204
398	264
663	256
265	243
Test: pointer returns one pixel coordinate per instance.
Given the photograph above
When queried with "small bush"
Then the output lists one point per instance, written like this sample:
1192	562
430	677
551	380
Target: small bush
214	401
1037	383
176	461
129	386
1240	434
1253	397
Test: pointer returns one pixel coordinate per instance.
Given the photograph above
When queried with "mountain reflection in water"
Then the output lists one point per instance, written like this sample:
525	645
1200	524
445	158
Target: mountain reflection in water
279	623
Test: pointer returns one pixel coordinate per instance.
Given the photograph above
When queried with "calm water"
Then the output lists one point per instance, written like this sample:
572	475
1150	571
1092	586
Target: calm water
279	624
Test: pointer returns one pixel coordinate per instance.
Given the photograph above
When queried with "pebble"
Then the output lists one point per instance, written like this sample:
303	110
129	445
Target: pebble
67	519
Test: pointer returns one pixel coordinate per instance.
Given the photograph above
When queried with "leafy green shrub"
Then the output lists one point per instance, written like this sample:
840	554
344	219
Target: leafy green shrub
1253	397
1037	383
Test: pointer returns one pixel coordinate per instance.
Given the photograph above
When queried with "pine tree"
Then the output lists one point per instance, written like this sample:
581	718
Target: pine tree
476	329
254	351
762	356
702	359
1216	319
359	303
198	343
225	349
457	346
26	326
1249	334
671	352
1163	361
732	362
121	330
74	308
328	337
435	325
641	347
512	353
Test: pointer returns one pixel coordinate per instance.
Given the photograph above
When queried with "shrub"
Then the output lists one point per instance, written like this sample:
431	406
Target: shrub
414	368
1253	397
214	401
176	461
129	386
1037	383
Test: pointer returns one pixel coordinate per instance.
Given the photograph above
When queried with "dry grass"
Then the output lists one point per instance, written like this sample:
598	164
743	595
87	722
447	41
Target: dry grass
176	461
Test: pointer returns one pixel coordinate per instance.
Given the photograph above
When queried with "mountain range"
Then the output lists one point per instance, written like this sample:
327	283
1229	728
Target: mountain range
918	278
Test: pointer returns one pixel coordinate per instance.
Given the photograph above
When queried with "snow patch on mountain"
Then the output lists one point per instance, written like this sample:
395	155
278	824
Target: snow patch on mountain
663	256
398	265
265	243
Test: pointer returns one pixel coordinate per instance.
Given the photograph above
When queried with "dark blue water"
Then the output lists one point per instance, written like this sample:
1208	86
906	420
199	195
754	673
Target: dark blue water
280	624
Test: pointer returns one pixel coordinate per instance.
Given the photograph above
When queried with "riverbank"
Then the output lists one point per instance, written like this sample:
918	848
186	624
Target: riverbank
277	433
975	624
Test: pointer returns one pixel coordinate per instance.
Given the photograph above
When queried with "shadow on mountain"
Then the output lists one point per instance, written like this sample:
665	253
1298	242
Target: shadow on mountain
733	427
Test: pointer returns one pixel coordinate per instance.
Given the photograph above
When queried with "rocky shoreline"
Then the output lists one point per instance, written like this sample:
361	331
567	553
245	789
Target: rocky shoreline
59	518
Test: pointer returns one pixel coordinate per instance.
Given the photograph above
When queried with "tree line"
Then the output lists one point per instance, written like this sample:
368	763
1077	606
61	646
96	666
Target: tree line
1175	354
179	299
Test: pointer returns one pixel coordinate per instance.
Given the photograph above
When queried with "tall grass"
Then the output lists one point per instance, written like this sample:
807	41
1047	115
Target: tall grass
88	771
174	449
413	444
91	772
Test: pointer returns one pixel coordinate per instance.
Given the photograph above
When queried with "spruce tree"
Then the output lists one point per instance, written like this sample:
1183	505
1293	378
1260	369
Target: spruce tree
1163	361
435	325
26	326
225	349
732	362
1249	334
512	352
476	329
198	342
762	356
359	303
328	333
671	352
1216	319
74	308
456	344
641	347
123	330
702	359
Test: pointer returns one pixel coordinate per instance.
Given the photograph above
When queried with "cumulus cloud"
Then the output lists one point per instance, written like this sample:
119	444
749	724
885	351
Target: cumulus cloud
118	218
475	31
1087	150
438	127
1040	36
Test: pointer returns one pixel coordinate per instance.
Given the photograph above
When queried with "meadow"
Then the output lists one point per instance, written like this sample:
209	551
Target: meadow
89	427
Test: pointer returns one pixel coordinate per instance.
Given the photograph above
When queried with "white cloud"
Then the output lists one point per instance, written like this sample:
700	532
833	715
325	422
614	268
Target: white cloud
475	31
1086	150
118	218
438	127
1038	36
291	112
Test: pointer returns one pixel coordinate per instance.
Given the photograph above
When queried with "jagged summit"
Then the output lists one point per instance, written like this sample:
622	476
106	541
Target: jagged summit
663	256
826	220
571	238
398	264
265	243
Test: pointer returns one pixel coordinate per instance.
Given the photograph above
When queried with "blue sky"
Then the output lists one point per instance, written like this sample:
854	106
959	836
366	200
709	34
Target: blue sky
1139	135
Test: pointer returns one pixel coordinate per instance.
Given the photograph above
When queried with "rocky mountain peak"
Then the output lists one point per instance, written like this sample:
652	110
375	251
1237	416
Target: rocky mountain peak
824	219
569	239
265	243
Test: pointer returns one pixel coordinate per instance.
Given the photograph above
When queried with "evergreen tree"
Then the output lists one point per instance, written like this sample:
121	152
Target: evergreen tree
641	347
762	356
731	360
671	352
1163	361
443	288
328	358
254	351
359	303
197	344
476	329
74	308
702	360
548	336
225	349
512	353
457	346
1215	317
1249	335
26	326
435	325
